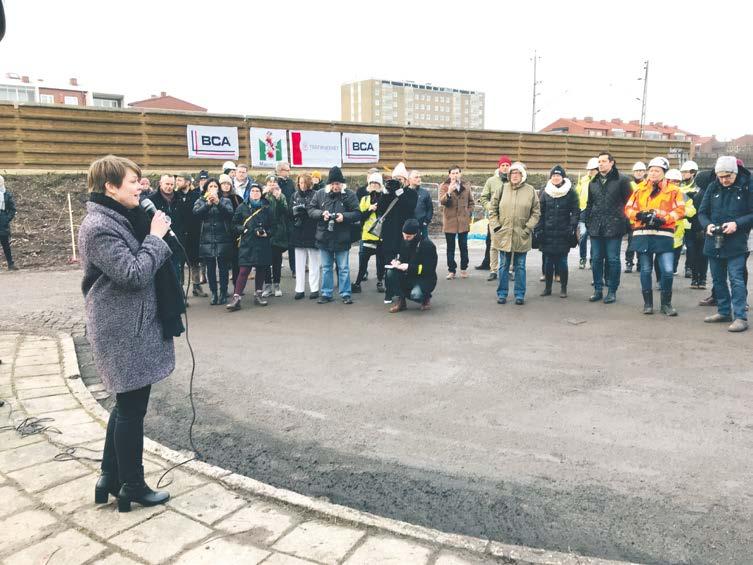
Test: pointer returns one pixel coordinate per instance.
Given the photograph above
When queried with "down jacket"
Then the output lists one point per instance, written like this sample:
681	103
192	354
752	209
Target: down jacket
215	234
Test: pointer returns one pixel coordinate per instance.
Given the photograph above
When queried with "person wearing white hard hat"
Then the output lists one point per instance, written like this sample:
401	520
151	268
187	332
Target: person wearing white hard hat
726	215
229	168
639	173
696	263
581	189
654	210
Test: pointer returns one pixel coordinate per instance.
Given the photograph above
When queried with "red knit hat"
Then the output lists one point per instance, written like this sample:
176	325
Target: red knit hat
504	159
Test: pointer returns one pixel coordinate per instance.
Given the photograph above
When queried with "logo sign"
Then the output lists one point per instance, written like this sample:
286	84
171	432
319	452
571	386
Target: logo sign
211	142
315	148
360	148
268	146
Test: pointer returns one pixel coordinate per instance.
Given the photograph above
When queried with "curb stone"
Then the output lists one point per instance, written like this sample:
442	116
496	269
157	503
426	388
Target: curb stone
478	547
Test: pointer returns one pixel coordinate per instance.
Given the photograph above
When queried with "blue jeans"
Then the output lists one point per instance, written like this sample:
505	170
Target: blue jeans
666	263
329	259
583	245
503	274
425	232
608	247
733	268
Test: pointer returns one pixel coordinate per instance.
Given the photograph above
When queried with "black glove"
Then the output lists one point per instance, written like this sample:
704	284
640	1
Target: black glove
656	222
642	216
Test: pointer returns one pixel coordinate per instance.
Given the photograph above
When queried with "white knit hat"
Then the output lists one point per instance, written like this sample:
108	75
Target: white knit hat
225	178
518	166
400	171
375	177
726	164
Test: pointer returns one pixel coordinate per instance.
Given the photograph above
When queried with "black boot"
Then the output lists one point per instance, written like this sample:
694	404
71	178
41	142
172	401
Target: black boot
140	492
223	297
107	484
648	301
666	304
547	286
215	299
563	284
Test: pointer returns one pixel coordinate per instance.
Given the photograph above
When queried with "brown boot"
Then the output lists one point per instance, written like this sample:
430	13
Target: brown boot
234	304
399	306
426	304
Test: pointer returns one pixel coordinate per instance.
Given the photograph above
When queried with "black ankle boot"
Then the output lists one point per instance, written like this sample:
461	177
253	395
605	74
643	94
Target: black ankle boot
141	493
107	484
648	301
666	304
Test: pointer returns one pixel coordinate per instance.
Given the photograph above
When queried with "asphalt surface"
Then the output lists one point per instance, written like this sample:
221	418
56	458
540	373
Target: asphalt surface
559	424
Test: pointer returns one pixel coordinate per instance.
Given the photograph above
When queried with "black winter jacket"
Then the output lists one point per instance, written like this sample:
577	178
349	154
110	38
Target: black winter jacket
216	238
392	229
192	224
344	203
605	212
722	205
7	215
559	220
255	250
303	232
422	261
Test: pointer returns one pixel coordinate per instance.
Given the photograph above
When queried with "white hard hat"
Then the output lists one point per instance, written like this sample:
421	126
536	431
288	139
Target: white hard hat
593	163
639	166
660	162
689	166
228	165
674	174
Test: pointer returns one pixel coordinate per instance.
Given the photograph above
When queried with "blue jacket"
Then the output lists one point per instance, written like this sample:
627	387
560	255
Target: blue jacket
722	205
424	207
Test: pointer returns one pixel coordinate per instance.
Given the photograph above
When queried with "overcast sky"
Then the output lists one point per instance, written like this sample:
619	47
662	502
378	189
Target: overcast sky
288	59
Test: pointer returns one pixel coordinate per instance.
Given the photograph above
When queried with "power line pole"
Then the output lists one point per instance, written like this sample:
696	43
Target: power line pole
534	111
645	93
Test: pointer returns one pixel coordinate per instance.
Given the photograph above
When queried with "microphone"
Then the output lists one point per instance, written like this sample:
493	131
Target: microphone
149	207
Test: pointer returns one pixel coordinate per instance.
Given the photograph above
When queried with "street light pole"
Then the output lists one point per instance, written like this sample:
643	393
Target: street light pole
645	93
534	111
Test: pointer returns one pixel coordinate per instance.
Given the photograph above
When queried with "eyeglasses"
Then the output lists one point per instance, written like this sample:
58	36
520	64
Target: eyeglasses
724	177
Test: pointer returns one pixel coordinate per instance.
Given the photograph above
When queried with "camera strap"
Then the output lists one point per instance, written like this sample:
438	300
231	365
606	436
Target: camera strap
245	222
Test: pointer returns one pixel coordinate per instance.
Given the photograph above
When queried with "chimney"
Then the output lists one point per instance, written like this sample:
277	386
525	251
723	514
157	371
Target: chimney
588	119
73	81
635	122
616	121
163	93
25	79
152	96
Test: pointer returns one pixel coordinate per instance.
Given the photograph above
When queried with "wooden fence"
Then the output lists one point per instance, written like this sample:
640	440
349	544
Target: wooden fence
63	138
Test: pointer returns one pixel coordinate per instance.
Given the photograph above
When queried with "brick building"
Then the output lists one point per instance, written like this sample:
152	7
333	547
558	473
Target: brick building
618	128
166	102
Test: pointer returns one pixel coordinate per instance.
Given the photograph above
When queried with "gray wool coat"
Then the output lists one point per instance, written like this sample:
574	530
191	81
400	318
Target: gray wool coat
120	299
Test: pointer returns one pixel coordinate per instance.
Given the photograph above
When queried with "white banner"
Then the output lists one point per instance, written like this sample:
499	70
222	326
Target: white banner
268	146
360	148
315	148
211	142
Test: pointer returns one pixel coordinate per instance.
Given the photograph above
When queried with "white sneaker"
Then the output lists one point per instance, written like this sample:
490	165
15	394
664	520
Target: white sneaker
278	292
267	292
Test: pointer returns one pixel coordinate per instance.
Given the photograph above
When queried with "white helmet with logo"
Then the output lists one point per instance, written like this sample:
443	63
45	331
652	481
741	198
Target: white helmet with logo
660	162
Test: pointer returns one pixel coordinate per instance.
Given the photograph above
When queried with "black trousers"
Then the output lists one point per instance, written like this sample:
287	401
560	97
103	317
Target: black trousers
124	442
452	266
5	242
364	255
274	271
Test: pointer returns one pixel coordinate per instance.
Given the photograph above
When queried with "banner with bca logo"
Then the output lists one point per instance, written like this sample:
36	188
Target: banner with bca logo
360	148
212	142
268	146
315	148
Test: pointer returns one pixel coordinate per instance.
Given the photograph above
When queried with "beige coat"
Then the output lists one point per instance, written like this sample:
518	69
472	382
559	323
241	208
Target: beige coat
513	213
456	207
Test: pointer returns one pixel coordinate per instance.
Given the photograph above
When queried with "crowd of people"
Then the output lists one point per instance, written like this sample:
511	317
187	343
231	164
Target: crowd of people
232	225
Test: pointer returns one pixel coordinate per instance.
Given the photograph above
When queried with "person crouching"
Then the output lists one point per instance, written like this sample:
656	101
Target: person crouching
413	274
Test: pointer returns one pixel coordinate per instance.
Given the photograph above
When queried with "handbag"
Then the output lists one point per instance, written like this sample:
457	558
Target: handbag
376	227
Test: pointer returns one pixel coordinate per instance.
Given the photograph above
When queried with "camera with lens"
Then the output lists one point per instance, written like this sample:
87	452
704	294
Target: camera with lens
299	215
260	232
392	185
649	219
717	232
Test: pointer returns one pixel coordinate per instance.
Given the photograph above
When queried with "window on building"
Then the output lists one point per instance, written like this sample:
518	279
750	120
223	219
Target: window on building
70	100
376	102
46	98
16	94
106	103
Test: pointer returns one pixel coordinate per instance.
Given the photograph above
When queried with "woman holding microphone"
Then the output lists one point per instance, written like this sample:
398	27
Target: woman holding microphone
133	310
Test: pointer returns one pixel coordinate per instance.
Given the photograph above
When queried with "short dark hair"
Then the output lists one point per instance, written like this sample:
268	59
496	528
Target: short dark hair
455	167
608	154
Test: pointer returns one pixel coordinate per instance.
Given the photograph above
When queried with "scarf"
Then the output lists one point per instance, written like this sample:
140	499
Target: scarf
558	191
2	197
255	204
170	302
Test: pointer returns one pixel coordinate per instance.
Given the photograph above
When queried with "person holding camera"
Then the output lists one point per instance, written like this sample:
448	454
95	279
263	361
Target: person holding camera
401	203
456	200
303	239
278	205
252	224
654	210
726	215
370	244
226	191
413	273
334	209
215	239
